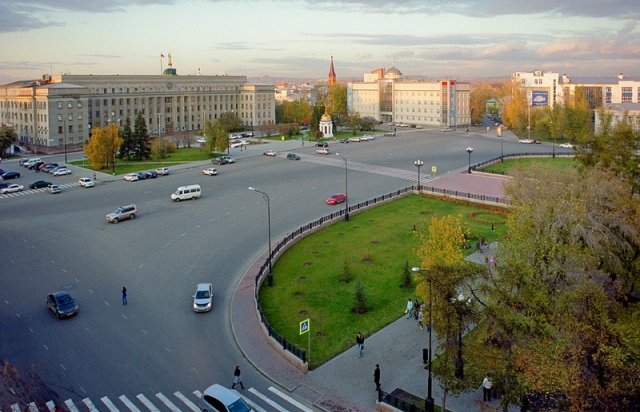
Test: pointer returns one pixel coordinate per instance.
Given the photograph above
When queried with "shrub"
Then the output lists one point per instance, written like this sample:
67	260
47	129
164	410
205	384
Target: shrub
347	276
359	299
406	276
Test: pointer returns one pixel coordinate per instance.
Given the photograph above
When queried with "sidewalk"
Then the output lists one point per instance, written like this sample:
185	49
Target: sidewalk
345	383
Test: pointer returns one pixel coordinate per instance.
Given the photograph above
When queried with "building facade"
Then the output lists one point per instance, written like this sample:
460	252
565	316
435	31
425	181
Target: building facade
62	109
620	112
387	96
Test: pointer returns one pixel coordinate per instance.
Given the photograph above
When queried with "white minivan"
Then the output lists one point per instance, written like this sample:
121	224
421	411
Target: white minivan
186	193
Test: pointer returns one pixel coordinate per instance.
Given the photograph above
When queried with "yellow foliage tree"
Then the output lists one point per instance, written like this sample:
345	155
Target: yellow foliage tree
103	146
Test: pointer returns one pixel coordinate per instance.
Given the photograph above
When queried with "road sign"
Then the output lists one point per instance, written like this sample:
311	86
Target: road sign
434	169
304	326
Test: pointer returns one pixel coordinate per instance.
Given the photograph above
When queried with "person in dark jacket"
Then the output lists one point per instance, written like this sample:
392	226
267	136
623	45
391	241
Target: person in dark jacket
376	377
359	344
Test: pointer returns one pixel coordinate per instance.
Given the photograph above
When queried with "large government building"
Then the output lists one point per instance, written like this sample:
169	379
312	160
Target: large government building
62	109
387	96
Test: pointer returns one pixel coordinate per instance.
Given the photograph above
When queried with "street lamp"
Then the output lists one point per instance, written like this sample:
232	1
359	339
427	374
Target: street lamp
428	403
462	302
418	164
346	189
266	197
469	150
501	147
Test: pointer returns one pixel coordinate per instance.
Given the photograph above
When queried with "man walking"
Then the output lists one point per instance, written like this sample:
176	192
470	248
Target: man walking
124	295
359	344
486	389
236	378
376	377
409	308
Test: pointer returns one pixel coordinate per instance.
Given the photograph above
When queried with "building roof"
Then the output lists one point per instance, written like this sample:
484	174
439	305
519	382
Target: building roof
394	70
624	106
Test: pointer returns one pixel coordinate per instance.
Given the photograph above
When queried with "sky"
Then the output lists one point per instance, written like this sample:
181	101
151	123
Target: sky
458	39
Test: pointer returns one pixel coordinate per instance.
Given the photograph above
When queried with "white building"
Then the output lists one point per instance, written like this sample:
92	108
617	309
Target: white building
387	96
62	109
620	112
542	87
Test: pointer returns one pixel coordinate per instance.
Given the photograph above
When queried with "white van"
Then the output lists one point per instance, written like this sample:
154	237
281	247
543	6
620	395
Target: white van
31	161
186	193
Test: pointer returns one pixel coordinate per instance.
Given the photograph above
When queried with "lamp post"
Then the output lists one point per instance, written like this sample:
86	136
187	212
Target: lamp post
346	188
469	150
462	302
428	403
553	135
501	147
418	164
266	197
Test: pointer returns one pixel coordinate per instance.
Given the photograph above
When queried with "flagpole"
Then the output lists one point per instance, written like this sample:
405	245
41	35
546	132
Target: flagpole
161	56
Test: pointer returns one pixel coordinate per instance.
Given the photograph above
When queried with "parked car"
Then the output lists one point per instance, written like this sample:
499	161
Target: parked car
162	171
367	137
448	129
131	177
293	156
151	174
345	140
355	139
526	141
223	160
61	171
62	304
323	151
201	140
35	166
123	213
53	189
566	145
222	399
210	171
336	198
228	158
50	167
39	184
203	298
239	144
322	144
269	153
12	188
10	175
86	182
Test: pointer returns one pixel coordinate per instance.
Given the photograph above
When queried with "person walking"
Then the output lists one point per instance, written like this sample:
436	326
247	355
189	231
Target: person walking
409	308
236	378
486	389
376	377
421	319
359	344
124	295
416	309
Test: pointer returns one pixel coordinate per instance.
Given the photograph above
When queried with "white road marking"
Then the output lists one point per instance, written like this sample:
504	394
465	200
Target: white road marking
63	368
198	394
106	303
90	405
267	400
33	407
167	402
107	402
71	405
147	403
187	402
289	399
46	347
129	404
253	405
15	407
51	406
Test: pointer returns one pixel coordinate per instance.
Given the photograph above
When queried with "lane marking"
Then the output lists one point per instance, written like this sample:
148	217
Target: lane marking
252	404
289	399
167	402
51	406
187	402
107	402
147	403
90	405
71	405
267	400
33	407
129	404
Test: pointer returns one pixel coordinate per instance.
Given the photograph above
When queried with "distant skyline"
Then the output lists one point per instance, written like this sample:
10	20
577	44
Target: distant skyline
296	38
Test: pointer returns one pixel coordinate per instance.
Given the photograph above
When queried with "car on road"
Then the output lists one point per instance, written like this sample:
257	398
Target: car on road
222	399
526	141
203	298
10	175
448	129
201	140
12	188
367	137
62	304
86	182
269	153
151	174
336	198
293	156
122	213
566	145
61	171
355	139
224	160
418	126
210	171
53	189
49	167
323	151
131	177
162	171
322	144
38	184
239	144
345	140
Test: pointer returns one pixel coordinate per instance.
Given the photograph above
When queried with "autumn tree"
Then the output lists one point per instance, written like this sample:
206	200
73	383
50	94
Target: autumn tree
298	111
480	93
230	122
8	136
217	137
353	120
514	110
577	118
127	147
337	101
102	146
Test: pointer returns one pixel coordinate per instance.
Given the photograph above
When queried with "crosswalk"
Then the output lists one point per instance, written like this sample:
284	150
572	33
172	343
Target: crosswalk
276	400
31	191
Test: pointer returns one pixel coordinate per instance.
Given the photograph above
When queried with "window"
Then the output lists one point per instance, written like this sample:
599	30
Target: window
59	105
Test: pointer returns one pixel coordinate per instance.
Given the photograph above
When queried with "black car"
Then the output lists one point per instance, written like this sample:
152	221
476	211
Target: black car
293	156
322	144
62	304
151	174
344	140
10	175
3	185
220	161
36	166
39	184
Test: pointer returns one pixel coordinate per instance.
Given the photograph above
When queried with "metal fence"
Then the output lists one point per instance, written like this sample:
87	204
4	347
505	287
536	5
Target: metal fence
398	403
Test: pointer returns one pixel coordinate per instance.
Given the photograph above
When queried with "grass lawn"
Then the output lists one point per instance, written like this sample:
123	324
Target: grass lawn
511	164
374	245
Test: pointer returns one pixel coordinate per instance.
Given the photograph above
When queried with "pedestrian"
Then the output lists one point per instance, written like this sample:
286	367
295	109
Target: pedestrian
421	319
124	295
486	389
409	308
416	309
359	344
236	378
94	176
376	377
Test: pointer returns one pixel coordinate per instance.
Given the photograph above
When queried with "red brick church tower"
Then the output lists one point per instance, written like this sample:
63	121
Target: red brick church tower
332	74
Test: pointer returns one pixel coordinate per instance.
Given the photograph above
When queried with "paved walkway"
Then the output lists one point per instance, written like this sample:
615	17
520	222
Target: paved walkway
345	383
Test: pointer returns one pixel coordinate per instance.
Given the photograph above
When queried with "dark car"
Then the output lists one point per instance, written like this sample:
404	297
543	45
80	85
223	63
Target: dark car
345	140
49	167
10	175
142	175
35	166
293	156
322	144
39	184
220	161
151	174
62	304
3	185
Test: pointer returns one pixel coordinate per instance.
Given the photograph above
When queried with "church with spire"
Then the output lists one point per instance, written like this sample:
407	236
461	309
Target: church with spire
332	75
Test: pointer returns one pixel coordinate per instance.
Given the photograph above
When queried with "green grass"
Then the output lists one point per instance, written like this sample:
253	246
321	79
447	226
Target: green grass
508	166
375	245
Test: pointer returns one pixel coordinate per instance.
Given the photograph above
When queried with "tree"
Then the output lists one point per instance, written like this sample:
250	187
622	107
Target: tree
102	146
230	122
8	136
141	148
318	111
217	137
480	93
337	101
160	148
268	128
577	118
514	110
298	111
354	122
368	123
128	141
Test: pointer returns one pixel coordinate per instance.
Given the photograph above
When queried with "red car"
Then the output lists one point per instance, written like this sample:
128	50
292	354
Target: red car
336	198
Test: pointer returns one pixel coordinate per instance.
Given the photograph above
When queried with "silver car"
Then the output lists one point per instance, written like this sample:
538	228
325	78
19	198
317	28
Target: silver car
122	213
203	298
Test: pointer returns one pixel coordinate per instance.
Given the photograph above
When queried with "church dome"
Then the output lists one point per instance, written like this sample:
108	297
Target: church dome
326	117
392	73
170	71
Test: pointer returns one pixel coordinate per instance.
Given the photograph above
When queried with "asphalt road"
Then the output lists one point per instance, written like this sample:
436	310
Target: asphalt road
156	343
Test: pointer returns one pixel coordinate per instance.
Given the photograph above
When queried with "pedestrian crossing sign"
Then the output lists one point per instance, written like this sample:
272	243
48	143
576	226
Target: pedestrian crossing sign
304	326
434	169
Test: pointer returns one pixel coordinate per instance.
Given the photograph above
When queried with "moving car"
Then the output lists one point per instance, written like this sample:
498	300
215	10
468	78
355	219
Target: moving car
53	189
85	182
367	137
324	151
223	160
345	140
269	153
448	129
62	304
203	298
293	156
12	188
131	177
222	399
151	174
39	184
61	171
122	213
526	141
210	171
162	171
355	139
201	140
336	198
322	144
228	158
566	145
186	193
10	175
239	144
